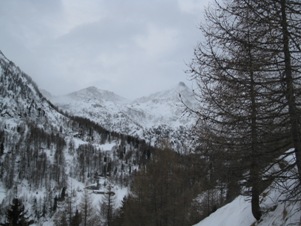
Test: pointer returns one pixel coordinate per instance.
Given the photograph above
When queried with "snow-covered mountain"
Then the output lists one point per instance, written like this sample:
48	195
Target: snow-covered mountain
159	116
20	99
103	107
166	107
44	151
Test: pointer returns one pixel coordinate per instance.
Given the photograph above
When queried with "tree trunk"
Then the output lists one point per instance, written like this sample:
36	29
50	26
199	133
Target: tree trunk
290	96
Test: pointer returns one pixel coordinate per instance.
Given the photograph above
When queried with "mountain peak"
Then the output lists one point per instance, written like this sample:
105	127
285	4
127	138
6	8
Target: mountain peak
92	89
91	94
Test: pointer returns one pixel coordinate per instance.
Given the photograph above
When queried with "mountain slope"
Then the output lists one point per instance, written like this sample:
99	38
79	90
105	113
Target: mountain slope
46	154
103	107
21	99
157	117
166	107
238	212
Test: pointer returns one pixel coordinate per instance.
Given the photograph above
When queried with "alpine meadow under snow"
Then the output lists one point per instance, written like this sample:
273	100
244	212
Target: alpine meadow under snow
227	153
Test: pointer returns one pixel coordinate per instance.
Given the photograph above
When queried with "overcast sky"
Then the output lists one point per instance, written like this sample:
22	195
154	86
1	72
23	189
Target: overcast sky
130	47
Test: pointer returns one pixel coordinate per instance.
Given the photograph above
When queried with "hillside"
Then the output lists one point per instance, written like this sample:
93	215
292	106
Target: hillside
278	205
238	212
47	155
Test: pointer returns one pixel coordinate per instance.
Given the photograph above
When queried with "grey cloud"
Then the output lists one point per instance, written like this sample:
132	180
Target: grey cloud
116	45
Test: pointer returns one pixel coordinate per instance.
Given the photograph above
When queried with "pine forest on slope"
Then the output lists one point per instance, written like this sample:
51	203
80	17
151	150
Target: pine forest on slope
54	166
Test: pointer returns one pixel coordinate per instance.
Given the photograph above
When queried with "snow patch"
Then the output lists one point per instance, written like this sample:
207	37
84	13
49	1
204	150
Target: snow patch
236	213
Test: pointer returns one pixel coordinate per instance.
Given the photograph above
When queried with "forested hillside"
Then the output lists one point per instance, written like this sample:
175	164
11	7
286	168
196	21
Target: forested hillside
48	157
58	169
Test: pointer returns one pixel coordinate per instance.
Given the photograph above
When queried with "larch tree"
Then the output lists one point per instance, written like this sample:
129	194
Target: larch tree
286	17
16	214
243	118
87	211
108	205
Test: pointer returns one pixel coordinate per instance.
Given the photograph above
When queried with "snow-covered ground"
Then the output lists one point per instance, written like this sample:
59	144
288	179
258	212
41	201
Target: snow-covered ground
236	213
276	210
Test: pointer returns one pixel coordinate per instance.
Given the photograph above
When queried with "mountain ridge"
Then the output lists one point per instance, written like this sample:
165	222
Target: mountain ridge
143	117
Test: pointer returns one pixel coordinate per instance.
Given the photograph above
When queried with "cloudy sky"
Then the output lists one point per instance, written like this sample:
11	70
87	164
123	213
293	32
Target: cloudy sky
131	47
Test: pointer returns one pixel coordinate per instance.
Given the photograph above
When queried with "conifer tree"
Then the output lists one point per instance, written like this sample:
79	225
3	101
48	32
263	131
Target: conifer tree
16	214
76	219
108	204
1	148
87	211
247	106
